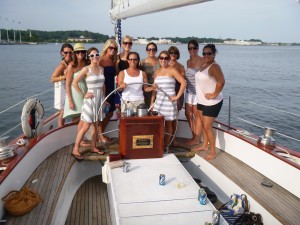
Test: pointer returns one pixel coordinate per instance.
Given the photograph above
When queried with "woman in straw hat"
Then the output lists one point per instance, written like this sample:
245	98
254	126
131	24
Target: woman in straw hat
73	102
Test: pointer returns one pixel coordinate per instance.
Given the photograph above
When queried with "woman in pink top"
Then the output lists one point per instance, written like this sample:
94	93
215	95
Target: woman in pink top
209	85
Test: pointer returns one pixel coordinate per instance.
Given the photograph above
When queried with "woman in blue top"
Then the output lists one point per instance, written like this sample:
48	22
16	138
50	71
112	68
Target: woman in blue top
108	60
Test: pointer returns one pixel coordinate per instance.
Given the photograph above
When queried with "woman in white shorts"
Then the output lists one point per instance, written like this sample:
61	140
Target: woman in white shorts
193	65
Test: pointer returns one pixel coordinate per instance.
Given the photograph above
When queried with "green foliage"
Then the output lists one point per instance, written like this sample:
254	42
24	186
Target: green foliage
52	36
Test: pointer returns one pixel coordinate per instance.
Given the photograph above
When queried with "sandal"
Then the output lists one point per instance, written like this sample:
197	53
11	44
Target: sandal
99	152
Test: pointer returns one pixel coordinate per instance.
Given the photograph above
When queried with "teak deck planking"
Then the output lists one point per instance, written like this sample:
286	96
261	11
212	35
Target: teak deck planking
90	204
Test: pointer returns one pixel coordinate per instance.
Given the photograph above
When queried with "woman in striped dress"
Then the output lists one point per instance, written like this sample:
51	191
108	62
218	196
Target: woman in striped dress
194	63
91	112
165	78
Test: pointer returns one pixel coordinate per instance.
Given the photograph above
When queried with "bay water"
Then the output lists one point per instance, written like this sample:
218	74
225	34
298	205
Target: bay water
262	81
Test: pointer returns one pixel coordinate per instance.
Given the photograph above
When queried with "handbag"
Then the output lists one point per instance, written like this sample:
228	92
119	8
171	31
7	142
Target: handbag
18	203
235	208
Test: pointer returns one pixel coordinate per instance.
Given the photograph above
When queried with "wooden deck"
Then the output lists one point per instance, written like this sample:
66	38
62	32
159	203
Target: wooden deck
47	180
90	204
283	205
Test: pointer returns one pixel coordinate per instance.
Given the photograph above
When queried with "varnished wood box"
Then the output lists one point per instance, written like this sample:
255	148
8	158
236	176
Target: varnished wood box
141	137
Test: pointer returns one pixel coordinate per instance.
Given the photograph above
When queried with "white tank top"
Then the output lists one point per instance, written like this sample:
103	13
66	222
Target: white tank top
206	84
133	92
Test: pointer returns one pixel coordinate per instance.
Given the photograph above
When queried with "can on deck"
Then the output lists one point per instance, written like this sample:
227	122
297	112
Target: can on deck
125	167
202	196
215	217
162	179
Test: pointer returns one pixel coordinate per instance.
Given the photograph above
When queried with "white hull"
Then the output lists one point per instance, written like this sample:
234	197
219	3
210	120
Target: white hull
275	169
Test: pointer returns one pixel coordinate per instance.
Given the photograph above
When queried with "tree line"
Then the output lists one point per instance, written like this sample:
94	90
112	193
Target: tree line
63	36
51	36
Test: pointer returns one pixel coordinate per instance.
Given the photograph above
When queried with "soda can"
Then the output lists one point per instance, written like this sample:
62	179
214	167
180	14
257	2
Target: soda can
202	196
162	179
215	217
125	167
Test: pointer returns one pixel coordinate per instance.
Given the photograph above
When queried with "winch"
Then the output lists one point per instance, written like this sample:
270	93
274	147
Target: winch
267	139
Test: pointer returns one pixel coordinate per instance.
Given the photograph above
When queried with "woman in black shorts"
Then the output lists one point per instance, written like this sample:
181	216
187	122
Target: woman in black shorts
209	84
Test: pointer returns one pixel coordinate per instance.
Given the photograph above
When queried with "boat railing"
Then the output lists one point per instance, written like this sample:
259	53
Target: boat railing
16	109
264	116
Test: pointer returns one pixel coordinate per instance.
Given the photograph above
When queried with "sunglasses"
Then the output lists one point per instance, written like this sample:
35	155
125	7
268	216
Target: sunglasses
112	48
151	49
80	52
173	53
127	43
94	55
192	48
207	53
164	58
70	53
133	59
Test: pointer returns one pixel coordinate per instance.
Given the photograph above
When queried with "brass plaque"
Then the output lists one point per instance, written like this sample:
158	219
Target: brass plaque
142	141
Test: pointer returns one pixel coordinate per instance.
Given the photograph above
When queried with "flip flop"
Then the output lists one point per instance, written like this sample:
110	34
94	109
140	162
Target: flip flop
99	152
84	144
107	141
78	158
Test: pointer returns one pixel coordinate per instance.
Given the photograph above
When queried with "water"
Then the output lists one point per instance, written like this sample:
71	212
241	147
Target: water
257	77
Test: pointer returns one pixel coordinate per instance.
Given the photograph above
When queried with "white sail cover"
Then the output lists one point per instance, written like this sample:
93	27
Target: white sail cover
122	9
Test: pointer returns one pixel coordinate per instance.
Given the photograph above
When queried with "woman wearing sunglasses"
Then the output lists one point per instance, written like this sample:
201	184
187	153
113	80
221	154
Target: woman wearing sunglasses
59	75
209	85
174	56
73	103
150	65
165	79
132	95
122	64
194	63
93	98
108	60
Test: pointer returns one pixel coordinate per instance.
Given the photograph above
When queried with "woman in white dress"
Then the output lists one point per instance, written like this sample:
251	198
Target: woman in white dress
165	78
91	112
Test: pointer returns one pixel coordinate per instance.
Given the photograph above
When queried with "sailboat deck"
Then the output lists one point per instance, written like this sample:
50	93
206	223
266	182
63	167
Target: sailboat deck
283	205
90	204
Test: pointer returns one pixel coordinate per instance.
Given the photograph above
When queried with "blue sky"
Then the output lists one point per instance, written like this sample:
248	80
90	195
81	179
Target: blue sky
268	20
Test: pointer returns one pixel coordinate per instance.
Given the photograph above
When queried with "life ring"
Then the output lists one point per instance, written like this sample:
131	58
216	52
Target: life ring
32	126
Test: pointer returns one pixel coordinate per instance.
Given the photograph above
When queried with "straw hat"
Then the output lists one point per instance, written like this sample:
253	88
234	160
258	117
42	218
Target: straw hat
79	47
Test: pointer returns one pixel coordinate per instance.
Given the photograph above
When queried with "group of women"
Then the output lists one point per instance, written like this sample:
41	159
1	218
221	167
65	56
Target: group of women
159	82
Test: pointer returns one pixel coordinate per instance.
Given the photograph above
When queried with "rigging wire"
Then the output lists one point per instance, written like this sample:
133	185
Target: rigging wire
25	100
279	110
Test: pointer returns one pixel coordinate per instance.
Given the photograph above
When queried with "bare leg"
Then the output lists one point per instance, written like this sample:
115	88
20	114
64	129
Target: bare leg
80	133
204	146
103	126
168	130
61	120
94	140
197	127
207	123
190	118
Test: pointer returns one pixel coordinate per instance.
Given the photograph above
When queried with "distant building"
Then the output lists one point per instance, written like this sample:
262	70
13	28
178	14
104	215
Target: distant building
239	42
143	41
80	39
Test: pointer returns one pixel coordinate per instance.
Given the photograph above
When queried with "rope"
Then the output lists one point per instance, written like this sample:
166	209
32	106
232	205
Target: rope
10	130
25	100
280	134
